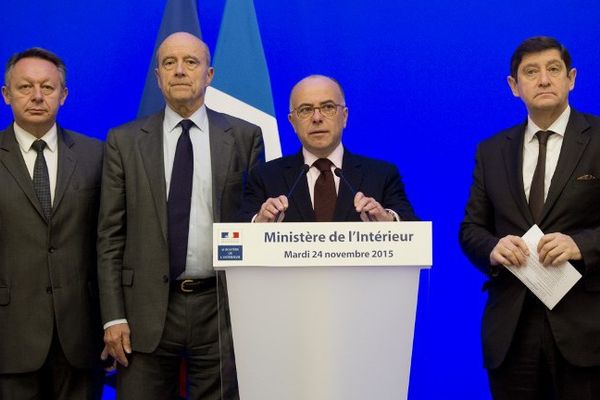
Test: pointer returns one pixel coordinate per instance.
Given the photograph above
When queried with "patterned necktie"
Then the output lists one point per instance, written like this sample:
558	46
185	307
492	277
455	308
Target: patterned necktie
536	193
325	196
180	199
41	180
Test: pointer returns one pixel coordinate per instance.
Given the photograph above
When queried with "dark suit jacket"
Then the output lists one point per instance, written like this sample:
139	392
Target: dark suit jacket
133	256
48	270
377	179
497	207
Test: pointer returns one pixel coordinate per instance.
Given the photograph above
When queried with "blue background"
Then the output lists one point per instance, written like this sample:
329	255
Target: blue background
424	81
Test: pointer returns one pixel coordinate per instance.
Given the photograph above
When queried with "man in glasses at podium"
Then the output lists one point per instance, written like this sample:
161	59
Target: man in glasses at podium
324	181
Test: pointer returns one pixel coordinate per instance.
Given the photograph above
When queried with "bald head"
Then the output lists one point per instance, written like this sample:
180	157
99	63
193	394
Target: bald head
181	38
320	128
183	72
318	80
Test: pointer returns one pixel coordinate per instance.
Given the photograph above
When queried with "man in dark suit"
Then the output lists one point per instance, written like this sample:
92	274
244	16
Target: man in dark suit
360	187
544	171
50	179
168	177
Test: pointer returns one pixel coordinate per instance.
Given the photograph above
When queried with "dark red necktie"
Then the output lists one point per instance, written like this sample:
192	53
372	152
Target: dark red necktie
325	196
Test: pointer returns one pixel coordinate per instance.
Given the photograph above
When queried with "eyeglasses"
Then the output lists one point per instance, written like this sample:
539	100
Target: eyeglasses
327	110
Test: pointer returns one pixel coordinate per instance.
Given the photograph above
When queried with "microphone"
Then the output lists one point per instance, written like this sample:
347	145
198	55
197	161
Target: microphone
303	172
338	172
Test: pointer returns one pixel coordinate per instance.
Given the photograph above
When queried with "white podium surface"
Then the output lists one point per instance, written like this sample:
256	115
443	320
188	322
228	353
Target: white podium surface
319	326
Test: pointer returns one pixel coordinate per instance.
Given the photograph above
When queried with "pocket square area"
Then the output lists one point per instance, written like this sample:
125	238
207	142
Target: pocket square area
586	177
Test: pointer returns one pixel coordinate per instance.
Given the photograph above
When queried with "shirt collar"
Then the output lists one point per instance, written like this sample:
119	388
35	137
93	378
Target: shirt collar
26	139
335	157
559	126
199	118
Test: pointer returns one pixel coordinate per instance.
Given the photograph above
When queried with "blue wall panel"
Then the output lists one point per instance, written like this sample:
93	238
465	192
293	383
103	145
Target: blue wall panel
424	81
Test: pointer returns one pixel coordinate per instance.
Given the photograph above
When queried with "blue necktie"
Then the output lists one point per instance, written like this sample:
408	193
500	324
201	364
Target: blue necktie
180	198
41	181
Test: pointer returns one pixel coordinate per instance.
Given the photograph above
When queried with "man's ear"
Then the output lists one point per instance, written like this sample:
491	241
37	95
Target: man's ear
6	95
514	86
572	75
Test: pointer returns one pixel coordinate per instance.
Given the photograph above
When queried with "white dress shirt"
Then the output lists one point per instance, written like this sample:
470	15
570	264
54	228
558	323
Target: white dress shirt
199	251
531	150
26	139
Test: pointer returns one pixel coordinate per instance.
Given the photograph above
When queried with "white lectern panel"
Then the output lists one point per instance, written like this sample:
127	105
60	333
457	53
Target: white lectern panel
323	332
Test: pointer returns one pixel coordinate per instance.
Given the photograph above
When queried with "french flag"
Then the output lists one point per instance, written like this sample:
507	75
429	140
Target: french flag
230	235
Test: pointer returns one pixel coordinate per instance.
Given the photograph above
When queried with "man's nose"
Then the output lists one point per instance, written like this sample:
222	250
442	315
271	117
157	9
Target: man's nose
544	79
37	94
179	69
317	116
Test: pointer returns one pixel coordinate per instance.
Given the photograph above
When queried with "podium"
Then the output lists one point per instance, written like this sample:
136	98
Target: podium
323	311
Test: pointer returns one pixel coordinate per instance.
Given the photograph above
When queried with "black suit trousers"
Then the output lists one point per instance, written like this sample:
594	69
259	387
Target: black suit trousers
534	369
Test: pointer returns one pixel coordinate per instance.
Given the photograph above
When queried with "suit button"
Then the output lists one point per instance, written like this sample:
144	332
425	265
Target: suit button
51	250
165	279
49	290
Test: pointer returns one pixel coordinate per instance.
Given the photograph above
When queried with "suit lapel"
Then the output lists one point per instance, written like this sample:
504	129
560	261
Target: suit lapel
11	158
345	201
66	166
221	149
574	143
512	153
300	198
152	154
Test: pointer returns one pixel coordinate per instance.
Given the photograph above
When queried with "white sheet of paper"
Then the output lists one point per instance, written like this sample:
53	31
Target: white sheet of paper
549	284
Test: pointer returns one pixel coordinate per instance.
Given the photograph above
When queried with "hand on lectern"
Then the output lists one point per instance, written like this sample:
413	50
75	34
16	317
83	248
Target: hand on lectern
272	210
370	209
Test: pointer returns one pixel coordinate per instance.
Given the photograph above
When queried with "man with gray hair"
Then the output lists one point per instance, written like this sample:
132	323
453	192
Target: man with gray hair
50	179
167	178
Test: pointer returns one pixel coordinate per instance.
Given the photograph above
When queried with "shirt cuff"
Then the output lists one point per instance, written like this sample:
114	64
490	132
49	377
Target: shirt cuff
394	214
115	322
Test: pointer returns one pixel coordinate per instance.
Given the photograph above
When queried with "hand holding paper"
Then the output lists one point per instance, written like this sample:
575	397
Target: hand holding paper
510	250
549	283
557	248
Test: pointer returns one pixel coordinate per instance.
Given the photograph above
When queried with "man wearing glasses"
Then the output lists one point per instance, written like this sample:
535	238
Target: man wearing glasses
324	181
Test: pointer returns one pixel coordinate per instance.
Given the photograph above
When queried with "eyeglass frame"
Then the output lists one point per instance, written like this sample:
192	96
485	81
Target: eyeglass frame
314	108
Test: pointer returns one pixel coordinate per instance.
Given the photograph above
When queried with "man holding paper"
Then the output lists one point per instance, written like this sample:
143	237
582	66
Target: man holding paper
324	181
544	172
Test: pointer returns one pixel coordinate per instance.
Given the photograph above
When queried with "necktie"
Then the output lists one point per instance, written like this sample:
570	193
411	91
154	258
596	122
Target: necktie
41	181
536	193
180	198
325	196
